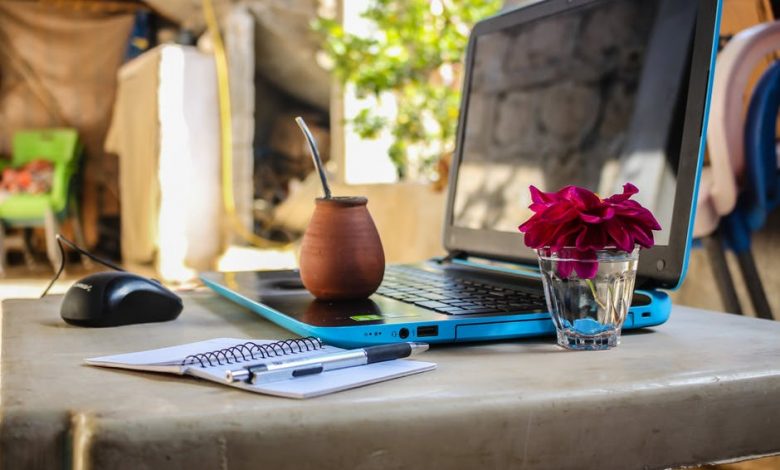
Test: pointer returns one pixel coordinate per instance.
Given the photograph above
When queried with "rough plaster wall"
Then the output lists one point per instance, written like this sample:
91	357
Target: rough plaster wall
285	45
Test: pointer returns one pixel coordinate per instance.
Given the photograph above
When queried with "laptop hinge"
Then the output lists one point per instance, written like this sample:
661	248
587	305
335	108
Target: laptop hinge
457	254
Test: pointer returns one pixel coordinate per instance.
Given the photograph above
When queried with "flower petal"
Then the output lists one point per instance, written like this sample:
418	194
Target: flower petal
591	237
539	235
559	213
525	226
591	219
564	268
540	197
564	235
628	191
641	236
581	197
586	269
619	236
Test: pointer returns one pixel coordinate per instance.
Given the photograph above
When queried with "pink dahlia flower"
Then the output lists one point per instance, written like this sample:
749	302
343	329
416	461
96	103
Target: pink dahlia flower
578	220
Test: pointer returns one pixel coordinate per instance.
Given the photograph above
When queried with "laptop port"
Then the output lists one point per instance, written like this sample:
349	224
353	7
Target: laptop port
430	330
403	333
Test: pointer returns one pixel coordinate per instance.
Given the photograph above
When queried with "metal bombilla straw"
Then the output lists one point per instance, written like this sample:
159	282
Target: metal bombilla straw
315	156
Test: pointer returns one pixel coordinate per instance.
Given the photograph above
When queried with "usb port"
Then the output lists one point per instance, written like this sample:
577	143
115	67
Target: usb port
430	330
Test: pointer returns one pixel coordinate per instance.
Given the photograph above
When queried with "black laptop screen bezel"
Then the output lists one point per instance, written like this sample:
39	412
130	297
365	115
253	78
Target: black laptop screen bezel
660	266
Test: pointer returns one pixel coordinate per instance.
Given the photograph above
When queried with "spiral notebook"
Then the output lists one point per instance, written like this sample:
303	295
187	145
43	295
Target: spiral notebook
211	359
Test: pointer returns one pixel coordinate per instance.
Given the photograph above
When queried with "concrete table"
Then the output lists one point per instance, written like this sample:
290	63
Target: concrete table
704	387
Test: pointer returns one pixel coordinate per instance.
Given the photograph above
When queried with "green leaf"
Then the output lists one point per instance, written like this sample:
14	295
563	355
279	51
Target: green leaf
413	40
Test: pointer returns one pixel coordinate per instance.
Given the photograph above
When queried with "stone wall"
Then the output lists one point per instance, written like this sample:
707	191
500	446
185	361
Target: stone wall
285	44
558	93
551	105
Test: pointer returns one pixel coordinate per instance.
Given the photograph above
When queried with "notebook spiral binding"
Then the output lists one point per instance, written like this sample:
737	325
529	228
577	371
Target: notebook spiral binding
249	351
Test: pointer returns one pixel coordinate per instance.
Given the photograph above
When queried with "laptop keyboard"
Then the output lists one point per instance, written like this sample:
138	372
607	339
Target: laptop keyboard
455	295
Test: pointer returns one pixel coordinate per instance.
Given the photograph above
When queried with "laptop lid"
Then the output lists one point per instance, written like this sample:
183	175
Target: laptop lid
594	93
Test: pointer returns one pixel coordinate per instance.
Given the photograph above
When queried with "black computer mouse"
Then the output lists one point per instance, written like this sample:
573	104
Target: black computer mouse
116	298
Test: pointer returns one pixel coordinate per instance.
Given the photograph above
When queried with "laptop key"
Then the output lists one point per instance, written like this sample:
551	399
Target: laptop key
452	310
432	304
478	310
430	296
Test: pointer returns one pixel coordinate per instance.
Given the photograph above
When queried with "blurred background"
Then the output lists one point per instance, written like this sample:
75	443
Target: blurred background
160	134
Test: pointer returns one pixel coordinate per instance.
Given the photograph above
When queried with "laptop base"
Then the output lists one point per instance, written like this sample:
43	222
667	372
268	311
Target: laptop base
278	297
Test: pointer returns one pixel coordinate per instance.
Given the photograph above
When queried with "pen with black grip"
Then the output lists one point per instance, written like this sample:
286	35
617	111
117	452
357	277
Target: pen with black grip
273	371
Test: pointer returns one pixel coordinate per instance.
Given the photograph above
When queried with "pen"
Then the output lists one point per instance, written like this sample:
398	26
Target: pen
281	370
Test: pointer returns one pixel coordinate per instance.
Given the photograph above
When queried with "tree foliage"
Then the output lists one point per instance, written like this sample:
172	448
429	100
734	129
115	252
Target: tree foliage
415	52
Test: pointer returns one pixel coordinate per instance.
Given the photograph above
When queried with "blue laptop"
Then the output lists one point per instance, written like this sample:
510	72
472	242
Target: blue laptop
587	92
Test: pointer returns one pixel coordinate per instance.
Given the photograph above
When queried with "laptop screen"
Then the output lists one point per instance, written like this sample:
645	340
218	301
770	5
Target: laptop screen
595	95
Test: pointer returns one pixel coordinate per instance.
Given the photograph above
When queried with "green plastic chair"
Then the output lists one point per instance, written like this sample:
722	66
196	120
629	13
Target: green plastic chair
61	147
